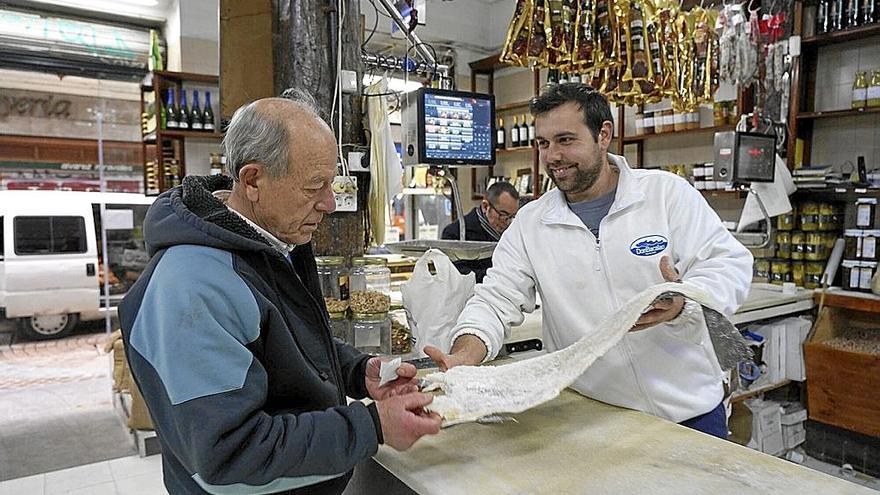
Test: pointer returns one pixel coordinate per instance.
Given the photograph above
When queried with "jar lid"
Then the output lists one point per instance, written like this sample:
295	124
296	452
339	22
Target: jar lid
329	260
869	264
854	232
368	260
337	316
369	316
849	263
874	233
871	201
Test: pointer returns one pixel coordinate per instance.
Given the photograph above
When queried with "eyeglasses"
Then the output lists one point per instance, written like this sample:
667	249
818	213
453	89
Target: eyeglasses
503	215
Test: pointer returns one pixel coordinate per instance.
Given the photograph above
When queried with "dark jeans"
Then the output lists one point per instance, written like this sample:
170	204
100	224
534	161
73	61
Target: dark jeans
713	422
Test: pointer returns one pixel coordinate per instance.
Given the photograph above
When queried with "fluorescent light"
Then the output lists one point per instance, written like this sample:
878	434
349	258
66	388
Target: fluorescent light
93	4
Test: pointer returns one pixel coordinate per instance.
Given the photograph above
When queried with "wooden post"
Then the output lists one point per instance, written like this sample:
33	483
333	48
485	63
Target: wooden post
304	52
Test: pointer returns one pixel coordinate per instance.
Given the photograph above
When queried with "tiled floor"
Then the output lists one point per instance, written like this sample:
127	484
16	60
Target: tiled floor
123	476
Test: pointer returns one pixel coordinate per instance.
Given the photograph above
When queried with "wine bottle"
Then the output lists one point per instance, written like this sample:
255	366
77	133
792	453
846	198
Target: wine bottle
183	112
208	115
170	111
531	133
195	114
514	133
500	136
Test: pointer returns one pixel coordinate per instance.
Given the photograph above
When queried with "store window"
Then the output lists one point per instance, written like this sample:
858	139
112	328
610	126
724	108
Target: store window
49	235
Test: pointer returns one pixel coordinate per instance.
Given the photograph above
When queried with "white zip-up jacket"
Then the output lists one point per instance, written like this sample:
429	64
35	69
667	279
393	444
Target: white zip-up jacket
668	370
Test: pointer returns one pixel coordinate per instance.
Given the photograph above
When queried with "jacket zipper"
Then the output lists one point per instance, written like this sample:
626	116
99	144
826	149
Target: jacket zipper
600	260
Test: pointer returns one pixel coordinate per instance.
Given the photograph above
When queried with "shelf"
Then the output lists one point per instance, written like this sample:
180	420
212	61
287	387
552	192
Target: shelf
842	36
837	113
740	396
518	149
859	301
180	77
512	106
723	193
168	133
702	130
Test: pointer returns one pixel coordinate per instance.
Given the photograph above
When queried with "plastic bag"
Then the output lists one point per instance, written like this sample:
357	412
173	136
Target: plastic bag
433	302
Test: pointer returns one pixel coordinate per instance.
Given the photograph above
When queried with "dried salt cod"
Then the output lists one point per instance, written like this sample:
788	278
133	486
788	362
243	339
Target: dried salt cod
473	392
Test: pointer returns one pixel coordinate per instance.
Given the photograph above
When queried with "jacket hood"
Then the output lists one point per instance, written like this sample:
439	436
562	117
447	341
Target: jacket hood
190	214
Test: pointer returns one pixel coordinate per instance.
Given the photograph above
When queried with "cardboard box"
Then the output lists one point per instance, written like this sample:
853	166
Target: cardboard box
793	435
766	426
843	387
796	330
139	419
793	413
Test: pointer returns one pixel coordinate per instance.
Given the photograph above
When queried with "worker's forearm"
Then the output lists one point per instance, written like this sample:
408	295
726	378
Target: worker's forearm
468	349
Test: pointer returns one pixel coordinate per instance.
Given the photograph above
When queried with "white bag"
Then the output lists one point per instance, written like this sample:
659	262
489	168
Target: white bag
433	302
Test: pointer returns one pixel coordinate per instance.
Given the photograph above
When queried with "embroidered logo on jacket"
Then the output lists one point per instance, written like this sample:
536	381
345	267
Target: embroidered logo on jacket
648	245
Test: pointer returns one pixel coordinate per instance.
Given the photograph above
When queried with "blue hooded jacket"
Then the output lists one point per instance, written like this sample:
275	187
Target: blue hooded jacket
230	345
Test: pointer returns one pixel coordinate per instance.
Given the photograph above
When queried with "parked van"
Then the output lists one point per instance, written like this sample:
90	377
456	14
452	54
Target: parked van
51	269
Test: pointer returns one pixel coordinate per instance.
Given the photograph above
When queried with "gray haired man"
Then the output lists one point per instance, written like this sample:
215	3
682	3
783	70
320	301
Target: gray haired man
226	331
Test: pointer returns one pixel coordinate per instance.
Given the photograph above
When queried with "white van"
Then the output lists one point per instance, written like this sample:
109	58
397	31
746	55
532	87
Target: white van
51	273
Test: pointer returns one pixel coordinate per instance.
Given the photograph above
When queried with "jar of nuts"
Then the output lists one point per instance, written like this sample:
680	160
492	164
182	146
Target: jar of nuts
401	337
333	277
340	327
372	332
370	285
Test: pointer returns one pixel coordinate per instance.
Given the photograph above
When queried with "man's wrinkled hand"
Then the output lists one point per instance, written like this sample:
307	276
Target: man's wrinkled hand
662	310
405	383
404	419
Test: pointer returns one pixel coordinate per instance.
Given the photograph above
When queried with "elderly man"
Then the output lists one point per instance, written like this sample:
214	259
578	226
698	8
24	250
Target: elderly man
485	222
606	233
227	334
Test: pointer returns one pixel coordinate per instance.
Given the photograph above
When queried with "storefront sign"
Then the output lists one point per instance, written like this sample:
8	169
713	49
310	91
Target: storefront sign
42	108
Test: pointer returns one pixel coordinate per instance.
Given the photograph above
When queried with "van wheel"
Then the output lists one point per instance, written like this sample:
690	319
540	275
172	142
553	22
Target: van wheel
45	327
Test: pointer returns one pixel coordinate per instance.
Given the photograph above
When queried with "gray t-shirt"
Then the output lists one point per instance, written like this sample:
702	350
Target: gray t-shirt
592	211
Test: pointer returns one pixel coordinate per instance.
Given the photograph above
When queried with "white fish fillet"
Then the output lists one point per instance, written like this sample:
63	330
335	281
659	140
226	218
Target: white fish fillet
472	392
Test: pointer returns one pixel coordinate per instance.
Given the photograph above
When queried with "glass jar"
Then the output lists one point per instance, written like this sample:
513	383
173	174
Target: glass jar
869	245
866	209
649	122
780	272
370	285
852	244
798	239
401	337
786	221
809	216
340	327
850	271
783	245
814	247
813	274
826	217
829	239
372	332
761	271
797	273
333	278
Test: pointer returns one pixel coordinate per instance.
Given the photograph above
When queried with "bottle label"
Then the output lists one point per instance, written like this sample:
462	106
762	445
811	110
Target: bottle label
171	124
854	277
514	136
184	125
499	137
873	92
208	126
531	133
866	275
863	216
869	248
859	95
197	126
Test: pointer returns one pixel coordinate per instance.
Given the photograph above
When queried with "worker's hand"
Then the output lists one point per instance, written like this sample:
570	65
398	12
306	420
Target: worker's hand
466	350
404	419
662	310
404	384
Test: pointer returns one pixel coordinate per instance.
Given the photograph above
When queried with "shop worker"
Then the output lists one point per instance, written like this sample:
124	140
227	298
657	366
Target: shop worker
226	331
604	234
486	222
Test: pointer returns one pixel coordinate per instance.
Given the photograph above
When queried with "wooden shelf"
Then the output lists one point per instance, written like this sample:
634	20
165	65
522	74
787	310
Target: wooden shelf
859	301
169	133
179	77
518	149
837	113
512	106
702	130
842	36
748	394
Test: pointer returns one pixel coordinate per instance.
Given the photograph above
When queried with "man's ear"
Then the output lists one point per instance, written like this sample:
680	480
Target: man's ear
606	132
251	178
